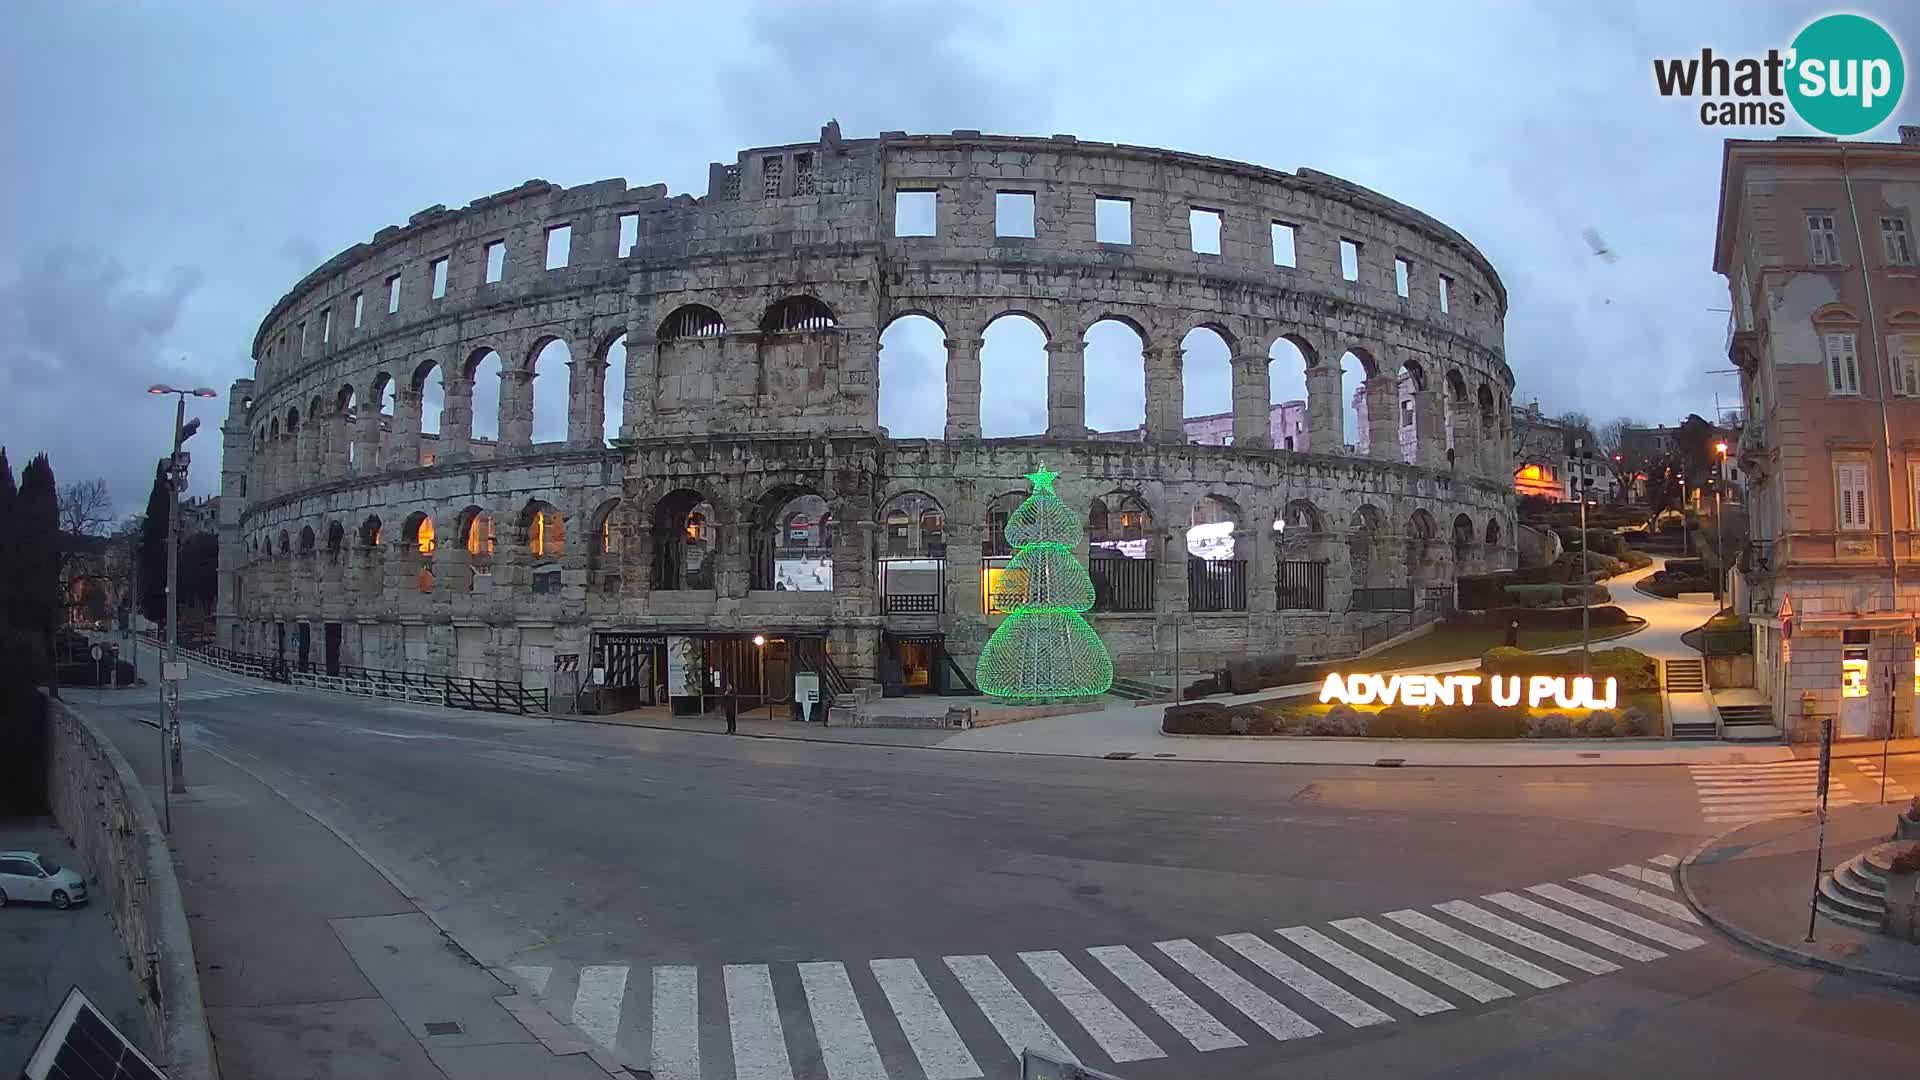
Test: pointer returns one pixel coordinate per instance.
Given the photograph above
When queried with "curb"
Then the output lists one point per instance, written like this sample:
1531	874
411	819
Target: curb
1775	949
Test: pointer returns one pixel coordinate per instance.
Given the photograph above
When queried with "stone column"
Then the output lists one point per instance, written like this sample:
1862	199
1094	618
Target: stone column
855	592
289	467
1325	430
1252	415
731	574
1383	417
1254	543
1466	437
516	408
1170	591
586	400
456	418
1067	389
366	440
406	433
1166	397
964	604
1429	434
963	388
339	439
643	355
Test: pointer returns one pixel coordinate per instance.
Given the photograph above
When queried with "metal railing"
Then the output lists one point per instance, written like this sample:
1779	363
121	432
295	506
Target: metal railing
1216	584
909	601
1121	584
452	691
1301	585
1381	600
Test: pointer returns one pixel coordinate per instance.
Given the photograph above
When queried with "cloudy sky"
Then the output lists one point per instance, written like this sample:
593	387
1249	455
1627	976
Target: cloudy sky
173	169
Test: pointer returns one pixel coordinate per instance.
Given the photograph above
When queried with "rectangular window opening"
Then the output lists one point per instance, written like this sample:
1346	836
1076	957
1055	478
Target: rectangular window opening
393	294
1112	220
1446	293
559	246
629	234
916	213
1013	213
1350	259
326	327
1899	241
1402	272
1823	245
1850	483
772	169
300	335
1843	365
439	278
1283	238
1204	227
359	309
496	261
803	174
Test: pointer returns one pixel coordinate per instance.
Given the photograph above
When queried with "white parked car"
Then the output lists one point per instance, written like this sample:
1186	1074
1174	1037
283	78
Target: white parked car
28	875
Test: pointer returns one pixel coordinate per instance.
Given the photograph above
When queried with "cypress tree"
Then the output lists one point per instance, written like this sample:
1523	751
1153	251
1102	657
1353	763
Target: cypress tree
153	547
8	582
36	550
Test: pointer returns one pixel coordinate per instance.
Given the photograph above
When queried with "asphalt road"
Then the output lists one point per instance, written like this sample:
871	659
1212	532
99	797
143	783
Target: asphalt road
618	869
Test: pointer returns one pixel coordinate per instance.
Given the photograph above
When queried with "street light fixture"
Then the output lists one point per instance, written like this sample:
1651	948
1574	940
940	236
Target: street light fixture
171	761
760	652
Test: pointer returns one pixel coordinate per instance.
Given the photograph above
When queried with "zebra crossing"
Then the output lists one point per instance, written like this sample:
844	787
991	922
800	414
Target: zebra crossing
1734	794
970	1016
1896	791
145	700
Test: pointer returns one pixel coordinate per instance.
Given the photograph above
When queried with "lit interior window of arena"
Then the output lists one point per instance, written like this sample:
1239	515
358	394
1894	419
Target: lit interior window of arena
424	537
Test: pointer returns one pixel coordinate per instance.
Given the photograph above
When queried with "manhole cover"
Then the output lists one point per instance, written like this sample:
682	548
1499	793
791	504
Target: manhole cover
444	1027
1119	755
1389	762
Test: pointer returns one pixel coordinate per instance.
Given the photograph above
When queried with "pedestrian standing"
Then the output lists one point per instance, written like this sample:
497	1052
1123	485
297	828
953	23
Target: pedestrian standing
731	702
1513	634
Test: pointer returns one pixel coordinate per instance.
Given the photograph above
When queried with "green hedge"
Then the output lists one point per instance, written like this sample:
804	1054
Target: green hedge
1557	618
1634	669
1478	721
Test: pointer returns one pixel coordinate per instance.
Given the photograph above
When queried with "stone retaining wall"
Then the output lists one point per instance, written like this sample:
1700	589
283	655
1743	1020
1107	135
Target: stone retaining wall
102	808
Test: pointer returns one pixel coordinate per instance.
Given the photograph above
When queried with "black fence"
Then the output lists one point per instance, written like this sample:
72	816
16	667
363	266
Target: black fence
452	691
1381	600
1121	584
1216	584
1301	585
898	600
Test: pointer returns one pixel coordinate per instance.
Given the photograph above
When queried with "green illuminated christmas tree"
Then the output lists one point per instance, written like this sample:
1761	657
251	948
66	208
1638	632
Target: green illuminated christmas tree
1044	649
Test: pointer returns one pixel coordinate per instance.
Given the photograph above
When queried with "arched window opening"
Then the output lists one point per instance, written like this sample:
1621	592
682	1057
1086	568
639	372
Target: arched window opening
550	393
478	535
421	537
792	543
1206	387
1115	383
1493	532
286	546
336	540
432	388
483	378
546	532
1300	578
692	321
1120	552
613	390
603	548
1216	571
1354	372
370	535
307	541
347	414
684	536
913	560
1013	378
797	314
913	378
1288	419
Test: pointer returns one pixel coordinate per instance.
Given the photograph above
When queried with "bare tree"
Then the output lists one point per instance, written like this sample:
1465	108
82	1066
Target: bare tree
1577	426
86	509
1612	440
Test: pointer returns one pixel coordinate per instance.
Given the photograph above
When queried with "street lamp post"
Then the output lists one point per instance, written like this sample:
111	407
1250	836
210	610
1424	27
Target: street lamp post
760	651
1719	530
172	759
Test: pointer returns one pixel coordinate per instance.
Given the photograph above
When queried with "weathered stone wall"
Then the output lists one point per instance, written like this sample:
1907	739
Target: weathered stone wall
728	394
104	811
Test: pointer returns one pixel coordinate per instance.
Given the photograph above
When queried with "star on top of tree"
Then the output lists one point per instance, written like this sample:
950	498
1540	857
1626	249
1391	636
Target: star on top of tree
1042	480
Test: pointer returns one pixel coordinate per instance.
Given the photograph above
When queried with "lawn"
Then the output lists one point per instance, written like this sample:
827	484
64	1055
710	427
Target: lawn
1462	641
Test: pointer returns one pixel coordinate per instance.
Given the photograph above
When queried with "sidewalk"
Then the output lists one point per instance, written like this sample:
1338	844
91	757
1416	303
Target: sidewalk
313	964
1756	884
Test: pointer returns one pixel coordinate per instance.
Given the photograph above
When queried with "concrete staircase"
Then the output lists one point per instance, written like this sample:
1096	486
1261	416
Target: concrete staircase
1690	677
1748	723
1139	690
1856	892
1686	676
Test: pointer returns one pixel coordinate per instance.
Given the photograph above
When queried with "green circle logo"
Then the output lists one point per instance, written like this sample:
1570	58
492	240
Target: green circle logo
1847	74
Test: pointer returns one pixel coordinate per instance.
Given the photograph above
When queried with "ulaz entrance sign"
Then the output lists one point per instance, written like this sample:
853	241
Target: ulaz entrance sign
1504	691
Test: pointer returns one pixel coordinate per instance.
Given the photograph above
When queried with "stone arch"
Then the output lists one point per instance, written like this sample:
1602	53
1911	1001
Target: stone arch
286	543
685	534
1421	526
429	386
336	540
1206	385
913	376
542	531
791	539
1488	410
1414	372
477	534
913	526
613	387
418	533
308	541
1013	375
994	515
1114	379
1120	525
1211	525
548	394
692	321
484	373
604	544
370	532
800	314
1493	532
293	420
1463	539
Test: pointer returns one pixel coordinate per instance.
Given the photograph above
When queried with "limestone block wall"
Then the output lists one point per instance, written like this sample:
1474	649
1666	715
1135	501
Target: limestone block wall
724	351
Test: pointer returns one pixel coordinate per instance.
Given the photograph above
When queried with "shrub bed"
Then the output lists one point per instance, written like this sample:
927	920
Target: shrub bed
1633	669
1561	618
1639	715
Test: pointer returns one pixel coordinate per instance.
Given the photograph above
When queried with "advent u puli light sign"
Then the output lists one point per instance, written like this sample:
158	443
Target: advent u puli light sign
1503	691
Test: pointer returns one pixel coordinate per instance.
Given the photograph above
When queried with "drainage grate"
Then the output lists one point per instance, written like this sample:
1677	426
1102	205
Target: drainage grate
1119	755
444	1027
1389	762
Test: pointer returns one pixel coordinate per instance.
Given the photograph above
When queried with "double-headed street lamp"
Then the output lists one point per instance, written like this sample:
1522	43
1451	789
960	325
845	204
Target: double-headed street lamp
170	758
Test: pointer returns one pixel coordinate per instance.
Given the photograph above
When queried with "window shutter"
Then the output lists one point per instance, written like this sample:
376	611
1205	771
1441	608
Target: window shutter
1852	481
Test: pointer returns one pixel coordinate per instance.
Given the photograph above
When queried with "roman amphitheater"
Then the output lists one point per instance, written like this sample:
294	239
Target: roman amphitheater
392	498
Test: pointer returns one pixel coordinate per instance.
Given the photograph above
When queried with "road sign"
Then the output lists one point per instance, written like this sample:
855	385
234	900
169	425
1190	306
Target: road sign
806	693
173	671
99	652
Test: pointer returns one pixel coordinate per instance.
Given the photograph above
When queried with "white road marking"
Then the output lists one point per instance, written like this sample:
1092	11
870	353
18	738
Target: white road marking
1525	970
1020	1027
1305	981
1657	878
676	1023
1625	920
596	1003
1255	1004
534	977
1562	921
1527	937
1365	971
1180	1012
928	1030
1120	1037
846	1043
1427	963
753	1016
1665	860
1672	909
